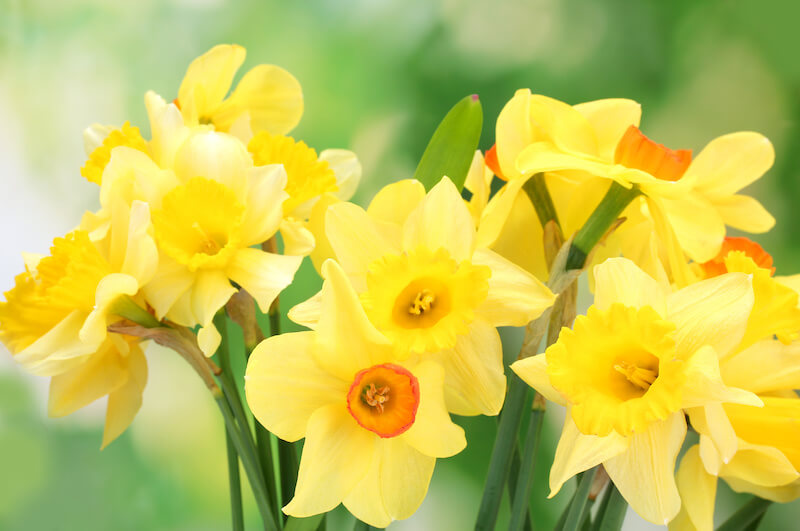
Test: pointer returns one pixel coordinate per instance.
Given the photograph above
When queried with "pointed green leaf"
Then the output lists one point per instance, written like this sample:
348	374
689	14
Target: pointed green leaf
453	144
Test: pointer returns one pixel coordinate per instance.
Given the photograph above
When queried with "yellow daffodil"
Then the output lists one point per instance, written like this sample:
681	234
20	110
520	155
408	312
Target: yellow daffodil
209	211
423	282
267	98
688	202
753	449
54	320
373	425
629	368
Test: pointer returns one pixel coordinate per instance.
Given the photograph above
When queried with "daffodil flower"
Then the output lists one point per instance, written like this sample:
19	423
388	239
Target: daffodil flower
425	284
627	371
688	202
753	449
267	98
373	424
54	320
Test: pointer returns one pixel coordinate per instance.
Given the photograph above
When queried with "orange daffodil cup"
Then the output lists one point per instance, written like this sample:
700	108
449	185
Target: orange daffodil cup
629	369
374	423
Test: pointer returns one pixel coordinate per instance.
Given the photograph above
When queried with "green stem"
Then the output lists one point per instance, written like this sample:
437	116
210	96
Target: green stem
224	359
614	202
536	188
513	477
749	513
125	307
500	462
611	512
579	500
521	497
249	462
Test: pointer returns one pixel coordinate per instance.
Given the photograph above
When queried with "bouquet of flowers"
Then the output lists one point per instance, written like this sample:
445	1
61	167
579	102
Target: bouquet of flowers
201	227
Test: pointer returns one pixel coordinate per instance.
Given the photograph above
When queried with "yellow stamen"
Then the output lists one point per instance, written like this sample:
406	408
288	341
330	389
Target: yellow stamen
376	397
638	376
422	302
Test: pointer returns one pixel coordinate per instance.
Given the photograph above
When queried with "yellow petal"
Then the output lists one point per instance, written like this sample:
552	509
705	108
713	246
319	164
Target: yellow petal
545	157
479	184
698	491
441	220
265	196
208	339
497	212
533	371
618	280
346	167
644	474
704	383
167	129
577	452
433	433
59	350
744	213
718	441
515	296
285	386
395	485
731	162
125	401
94	135
782	494
337	455
766	366
760	465
356	249
474	380
210	293
348	341
676	259
271	95
216	156
102	373
134	175
697	225
316	225
109	289
513	132
308	312
712	312
209	78
264	275
297	239
396	201
171	281
610	118
141	253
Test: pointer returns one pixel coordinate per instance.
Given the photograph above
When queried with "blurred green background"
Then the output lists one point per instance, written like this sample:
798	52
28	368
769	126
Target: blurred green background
377	76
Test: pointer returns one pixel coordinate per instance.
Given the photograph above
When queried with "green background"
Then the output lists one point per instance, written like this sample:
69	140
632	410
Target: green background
377	77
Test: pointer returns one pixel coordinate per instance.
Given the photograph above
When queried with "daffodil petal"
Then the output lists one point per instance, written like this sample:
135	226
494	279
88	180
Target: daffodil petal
264	275
337	454
778	367
497	211
109	289
58	350
316	225
348	341
744	213
533	371
297	239
479	183
704	383
618	280
731	162
308	312
102	373
346	167
760	465
441	220
513	132
396	201
712	312
698	491
265	196
209	77
474	380
645	473
285	386
515	296
167	129
141	253
433	433
271	95
208	339
781	494
134	175
125	401
610	118
716	434
697	225
577	452
211	291
171	281
216	156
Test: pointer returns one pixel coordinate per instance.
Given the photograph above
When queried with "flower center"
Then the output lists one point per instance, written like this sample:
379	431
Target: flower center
384	399
640	377
637	151
716	266
422	302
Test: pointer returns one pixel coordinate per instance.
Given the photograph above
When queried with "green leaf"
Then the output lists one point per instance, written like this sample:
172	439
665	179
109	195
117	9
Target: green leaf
748	515
303	524
453	144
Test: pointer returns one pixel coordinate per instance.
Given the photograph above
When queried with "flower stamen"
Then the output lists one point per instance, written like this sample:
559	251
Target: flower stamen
376	396
638	376
422	302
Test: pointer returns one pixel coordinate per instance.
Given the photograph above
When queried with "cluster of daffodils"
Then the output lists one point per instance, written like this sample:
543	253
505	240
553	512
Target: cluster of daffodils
689	328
